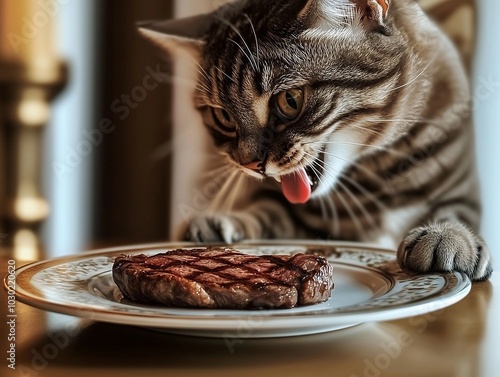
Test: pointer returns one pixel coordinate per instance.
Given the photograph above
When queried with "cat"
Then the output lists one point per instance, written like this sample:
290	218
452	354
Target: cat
354	116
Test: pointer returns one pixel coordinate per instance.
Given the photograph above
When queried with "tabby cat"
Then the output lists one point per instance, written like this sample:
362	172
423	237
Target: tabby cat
354	118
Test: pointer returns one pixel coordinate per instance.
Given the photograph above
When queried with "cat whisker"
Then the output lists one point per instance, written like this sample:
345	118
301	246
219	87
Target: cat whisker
377	147
233	193
396	120
249	55
250	59
366	129
216	173
203	89
256	39
356	201
361	189
352	215
200	85
355	164
215	204
438	52
357	223
360	205
436	124
365	192
328	199
202	71
324	211
335	216
225	74
331	204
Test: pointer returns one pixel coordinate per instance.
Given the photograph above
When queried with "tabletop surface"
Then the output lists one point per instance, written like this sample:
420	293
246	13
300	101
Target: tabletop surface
461	340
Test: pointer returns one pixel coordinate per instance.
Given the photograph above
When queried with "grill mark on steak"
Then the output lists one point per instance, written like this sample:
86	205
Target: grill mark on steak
224	278
201	269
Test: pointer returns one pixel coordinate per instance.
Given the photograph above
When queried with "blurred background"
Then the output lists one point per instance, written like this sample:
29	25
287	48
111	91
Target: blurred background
121	146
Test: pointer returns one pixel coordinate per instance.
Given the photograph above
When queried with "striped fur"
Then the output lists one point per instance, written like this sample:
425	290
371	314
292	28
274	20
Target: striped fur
386	128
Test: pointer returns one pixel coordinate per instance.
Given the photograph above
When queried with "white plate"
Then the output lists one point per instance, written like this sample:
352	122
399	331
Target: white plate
369	286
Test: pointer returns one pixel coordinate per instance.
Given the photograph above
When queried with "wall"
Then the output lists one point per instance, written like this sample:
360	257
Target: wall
68	163
486	95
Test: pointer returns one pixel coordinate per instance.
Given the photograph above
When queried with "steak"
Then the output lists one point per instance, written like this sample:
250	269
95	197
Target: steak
224	278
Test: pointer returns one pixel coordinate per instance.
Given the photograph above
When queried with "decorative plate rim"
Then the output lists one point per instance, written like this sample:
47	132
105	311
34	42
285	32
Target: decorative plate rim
456	286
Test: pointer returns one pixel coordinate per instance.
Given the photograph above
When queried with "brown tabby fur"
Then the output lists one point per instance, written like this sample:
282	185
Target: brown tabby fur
385	131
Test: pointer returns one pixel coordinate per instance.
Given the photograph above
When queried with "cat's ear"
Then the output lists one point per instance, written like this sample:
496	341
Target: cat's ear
370	14
374	12
172	36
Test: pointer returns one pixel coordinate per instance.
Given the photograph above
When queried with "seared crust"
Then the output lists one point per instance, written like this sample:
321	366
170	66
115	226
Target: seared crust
224	278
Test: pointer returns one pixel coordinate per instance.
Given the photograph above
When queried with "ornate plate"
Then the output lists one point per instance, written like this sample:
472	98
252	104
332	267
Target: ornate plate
369	286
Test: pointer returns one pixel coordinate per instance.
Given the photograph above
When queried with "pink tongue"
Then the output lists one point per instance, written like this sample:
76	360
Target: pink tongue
296	187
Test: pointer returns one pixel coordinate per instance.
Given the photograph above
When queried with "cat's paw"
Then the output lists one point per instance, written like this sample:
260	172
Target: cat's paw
215	228
445	247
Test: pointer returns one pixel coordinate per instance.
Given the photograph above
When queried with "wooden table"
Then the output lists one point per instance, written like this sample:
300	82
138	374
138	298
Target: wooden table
461	340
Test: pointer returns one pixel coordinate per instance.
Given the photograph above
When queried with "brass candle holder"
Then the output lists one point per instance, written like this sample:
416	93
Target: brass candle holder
31	75
25	96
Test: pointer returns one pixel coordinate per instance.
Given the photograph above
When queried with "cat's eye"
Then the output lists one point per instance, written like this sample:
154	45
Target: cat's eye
290	103
225	119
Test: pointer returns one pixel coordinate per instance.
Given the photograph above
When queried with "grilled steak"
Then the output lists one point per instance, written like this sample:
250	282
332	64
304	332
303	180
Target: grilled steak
224	278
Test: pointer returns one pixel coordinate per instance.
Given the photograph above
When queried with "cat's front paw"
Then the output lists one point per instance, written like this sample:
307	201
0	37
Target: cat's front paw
215	228
445	247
